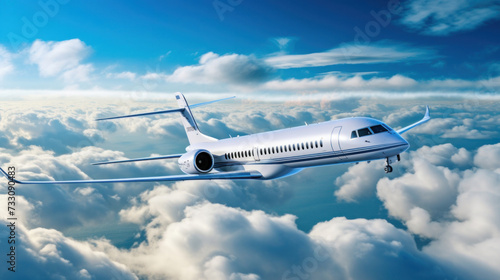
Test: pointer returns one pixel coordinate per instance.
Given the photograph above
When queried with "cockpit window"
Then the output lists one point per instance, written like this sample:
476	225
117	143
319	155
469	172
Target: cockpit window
353	134
363	132
378	128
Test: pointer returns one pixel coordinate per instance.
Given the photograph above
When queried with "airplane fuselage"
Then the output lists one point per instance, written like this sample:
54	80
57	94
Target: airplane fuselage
284	152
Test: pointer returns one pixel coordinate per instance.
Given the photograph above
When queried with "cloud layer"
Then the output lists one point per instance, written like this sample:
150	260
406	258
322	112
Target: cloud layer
444	193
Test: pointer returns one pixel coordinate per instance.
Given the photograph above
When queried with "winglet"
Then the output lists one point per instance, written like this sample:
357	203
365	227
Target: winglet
425	119
5	173
427	114
8	177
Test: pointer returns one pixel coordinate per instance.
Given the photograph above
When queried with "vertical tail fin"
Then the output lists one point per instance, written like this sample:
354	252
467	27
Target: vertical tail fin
193	133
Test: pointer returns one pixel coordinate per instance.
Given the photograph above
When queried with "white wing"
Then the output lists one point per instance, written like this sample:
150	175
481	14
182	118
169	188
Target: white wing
209	176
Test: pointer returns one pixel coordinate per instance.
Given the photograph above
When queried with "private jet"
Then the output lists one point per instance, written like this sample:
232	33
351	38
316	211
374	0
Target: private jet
268	155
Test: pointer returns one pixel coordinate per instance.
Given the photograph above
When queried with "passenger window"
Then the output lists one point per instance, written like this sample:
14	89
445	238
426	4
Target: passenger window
302	146
293	147
281	149
353	134
316	142
321	143
378	128
260	151
364	131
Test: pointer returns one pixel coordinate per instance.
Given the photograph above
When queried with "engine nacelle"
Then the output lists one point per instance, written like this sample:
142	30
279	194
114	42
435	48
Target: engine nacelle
196	161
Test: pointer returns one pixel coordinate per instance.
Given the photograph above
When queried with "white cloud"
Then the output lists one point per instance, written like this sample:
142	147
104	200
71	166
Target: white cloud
282	42
375	249
6	66
229	68
64	57
202	230
472	240
122	75
389	86
457	209
212	240
51	129
359	181
351	54
449	16
488	157
47	254
336	83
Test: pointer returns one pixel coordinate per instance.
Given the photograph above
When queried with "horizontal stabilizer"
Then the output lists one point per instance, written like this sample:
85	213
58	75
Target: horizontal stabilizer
137	159
143	114
165	111
209	102
185	177
425	119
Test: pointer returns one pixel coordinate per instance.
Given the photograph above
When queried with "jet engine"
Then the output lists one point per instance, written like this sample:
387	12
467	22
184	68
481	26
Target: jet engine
196	162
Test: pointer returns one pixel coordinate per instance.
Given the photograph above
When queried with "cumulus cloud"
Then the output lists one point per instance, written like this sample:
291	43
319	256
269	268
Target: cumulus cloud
359	181
64	57
452	203
473	236
447	16
47	254
375	249
488	156
206	230
6	65
51	129
212	240
351	54
229	68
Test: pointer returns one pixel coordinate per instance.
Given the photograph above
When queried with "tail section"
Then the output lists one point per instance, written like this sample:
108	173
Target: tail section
192	131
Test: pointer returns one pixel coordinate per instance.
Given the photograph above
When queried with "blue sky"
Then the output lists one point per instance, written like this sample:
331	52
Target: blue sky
65	63
415	40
